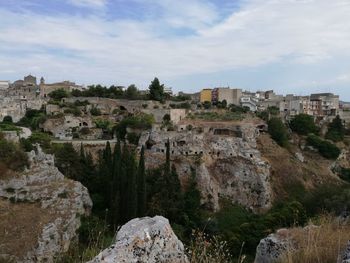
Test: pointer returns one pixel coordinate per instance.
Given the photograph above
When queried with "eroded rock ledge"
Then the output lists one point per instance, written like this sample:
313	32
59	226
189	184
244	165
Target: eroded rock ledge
42	207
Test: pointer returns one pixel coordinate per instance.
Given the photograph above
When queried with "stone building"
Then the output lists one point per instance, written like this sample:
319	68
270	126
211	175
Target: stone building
232	96
68	86
24	89
324	104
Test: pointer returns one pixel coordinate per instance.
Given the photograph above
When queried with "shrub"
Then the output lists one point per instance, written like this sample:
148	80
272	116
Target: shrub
278	131
141	121
325	148
33	118
58	94
79	103
303	124
336	130
12	156
238	109
207	105
44	139
95	111
133	138
74	111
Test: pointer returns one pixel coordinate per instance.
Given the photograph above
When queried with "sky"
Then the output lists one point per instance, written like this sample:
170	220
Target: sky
290	46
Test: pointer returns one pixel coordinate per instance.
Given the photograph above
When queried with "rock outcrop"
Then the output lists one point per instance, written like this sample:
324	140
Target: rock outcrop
346	254
225	156
42	207
273	247
145	239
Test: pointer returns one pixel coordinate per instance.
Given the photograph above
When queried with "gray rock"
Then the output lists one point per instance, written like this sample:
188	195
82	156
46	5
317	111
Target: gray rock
67	200
229	166
148	240
300	156
346	254
271	248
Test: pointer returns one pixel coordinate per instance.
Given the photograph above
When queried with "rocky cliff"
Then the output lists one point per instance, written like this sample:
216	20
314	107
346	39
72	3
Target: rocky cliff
144	240
226	158
40	211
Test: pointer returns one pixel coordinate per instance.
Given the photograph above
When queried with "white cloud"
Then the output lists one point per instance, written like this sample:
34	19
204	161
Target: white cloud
88	3
94	48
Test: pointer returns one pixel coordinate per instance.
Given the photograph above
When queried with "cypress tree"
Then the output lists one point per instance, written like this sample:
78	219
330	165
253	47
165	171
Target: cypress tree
141	185
175	197
131	187
192	198
115	189
82	153
167	159
107	155
123	184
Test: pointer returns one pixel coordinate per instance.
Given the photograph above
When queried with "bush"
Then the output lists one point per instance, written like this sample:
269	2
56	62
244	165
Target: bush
133	138
278	131
325	148
207	105
12	156
33	118
79	103
336	130
238	109
303	124
95	111
42	138
58	94
141	121
74	111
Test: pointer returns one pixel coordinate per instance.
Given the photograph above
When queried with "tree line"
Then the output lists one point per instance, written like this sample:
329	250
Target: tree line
122	188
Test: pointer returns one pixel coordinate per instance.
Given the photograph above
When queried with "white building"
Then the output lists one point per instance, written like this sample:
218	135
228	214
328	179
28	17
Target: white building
4	84
250	102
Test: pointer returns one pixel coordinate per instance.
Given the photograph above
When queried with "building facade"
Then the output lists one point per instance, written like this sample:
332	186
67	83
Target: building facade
206	95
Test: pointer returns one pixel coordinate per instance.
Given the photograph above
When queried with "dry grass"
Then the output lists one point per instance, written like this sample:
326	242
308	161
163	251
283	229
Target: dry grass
322	244
20	226
287	171
204	249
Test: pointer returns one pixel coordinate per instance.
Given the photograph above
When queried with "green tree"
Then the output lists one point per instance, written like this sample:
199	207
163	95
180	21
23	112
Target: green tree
303	124
58	94
115	185
131	187
278	131
131	92
336	130
95	111
68	161
192	201
325	148
141	185
156	90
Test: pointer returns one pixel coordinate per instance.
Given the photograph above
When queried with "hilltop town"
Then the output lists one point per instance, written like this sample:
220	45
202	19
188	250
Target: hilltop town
17	97
218	159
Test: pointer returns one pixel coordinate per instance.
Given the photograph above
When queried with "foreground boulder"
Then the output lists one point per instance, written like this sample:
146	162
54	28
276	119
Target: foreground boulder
145	239
273	247
39	211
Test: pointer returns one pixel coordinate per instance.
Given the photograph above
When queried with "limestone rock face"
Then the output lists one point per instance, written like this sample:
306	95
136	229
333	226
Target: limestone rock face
271	248
226	158
46	208
144	240
346	254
